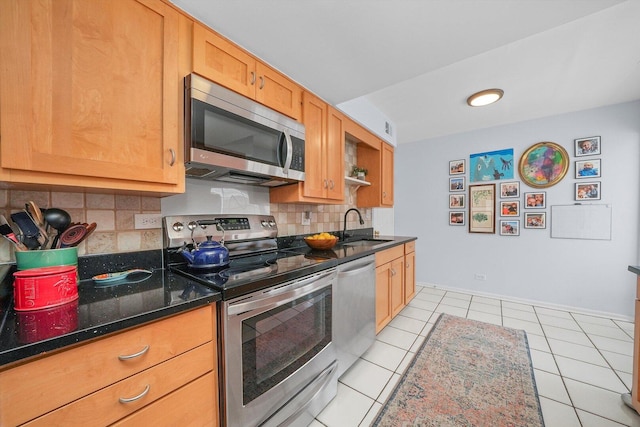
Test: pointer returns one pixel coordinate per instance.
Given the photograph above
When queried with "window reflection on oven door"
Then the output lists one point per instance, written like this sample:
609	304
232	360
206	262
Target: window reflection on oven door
278	352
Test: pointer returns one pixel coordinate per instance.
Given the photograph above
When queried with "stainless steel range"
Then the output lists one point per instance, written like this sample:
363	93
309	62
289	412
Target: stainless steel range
278	363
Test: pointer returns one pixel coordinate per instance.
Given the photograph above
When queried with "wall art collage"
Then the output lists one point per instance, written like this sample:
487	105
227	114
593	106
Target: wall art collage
542	165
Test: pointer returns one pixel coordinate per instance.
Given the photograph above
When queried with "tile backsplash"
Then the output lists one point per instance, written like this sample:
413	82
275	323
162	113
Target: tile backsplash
115	214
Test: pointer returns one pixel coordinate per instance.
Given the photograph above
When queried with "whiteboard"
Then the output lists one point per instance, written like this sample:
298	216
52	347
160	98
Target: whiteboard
580	221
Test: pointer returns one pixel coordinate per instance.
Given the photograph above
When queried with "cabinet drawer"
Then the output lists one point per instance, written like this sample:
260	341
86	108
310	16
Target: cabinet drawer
194	405
389	255
409	247
104	407
35	388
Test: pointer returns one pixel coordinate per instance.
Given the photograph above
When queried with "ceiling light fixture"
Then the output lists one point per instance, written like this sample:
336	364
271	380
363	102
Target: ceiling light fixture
485	97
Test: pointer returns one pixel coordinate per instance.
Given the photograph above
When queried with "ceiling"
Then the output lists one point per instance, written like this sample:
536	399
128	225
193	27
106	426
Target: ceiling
418	60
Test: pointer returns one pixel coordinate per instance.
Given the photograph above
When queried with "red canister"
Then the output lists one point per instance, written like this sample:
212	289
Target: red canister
44	287
38	325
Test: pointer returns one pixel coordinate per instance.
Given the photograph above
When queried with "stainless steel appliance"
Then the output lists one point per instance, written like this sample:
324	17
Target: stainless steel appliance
355	311
278	363
232	138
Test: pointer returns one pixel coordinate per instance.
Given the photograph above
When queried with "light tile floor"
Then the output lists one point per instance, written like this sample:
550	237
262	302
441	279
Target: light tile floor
582	363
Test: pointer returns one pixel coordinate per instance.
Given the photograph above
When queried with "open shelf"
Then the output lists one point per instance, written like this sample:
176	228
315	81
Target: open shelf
349	180
354	184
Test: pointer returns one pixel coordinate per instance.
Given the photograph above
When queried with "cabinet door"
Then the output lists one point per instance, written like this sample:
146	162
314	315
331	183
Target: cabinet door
221	61
387	175
92	89
334	155
383	296
409	277
314	117
397	286
278	92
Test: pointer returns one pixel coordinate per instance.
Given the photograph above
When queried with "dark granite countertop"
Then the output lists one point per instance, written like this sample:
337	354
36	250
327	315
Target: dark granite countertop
101	310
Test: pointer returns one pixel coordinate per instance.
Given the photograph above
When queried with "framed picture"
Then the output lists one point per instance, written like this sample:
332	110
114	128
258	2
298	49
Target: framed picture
510	227
587	146
482	208
588	168
543	164
509	189
457	183
491	166
456	218
535	220
535	200
456	167
456	201
511	208
588	190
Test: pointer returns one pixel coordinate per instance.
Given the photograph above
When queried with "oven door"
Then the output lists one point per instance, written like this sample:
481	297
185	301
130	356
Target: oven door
278	352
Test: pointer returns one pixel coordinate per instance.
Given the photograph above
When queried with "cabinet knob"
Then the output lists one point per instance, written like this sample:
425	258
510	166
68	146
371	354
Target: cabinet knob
326	184
331	184
393	272
253	77
173	157
261	82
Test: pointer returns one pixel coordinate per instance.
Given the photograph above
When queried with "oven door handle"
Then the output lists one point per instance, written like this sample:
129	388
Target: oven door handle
283	294
304	398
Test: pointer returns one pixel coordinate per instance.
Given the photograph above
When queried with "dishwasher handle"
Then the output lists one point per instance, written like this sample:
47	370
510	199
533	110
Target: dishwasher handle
355	267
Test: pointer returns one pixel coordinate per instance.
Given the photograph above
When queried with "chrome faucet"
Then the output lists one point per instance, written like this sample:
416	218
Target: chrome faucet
344	230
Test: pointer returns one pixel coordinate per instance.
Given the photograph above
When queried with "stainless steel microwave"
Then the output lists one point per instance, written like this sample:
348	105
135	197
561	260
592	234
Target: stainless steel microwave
232	138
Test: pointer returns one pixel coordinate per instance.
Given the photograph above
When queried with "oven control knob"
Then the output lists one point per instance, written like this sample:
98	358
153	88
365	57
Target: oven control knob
272	223
178	226
264	223
192	225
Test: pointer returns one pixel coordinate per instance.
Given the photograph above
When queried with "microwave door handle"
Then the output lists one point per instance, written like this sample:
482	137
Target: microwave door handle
289	157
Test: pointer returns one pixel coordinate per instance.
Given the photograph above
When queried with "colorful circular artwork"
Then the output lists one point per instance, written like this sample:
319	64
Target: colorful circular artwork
544	164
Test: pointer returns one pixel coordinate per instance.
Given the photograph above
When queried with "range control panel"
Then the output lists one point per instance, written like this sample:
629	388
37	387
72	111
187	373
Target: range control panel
182	229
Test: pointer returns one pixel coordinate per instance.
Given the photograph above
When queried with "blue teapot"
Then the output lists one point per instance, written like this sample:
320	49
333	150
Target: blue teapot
208	254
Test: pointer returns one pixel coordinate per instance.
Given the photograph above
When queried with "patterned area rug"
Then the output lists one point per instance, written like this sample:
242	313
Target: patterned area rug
466	373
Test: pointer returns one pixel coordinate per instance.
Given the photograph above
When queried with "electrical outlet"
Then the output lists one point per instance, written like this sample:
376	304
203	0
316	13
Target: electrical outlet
146	221
306	218
480	276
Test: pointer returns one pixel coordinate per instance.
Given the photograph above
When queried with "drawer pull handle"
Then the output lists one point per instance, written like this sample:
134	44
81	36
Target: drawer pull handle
134	398
134	355
173	157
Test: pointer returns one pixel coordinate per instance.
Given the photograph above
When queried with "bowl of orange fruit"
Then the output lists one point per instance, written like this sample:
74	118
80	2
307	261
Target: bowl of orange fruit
321	241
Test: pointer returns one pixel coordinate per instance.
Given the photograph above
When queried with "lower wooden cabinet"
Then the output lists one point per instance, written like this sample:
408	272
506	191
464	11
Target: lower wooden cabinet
127	374
188	406
410	271
395	282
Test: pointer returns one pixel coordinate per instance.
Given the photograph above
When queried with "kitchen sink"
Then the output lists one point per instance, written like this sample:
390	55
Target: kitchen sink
366	242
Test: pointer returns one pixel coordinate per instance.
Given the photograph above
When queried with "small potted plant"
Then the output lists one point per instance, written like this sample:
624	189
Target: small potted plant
359	172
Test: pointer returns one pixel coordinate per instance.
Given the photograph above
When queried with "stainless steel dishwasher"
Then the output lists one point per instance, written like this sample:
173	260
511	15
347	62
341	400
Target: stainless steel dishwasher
354	310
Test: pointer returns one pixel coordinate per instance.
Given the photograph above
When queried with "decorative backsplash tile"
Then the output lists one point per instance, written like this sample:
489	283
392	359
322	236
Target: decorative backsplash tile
115	214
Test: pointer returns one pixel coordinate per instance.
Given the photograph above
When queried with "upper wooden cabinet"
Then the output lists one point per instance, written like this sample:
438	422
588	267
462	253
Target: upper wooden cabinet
223	62
90	94
324	157
379	163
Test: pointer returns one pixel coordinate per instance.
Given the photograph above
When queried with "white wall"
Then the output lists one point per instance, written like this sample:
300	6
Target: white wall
590	275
